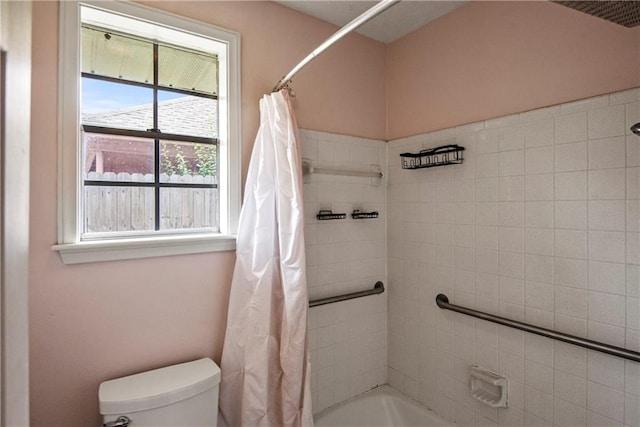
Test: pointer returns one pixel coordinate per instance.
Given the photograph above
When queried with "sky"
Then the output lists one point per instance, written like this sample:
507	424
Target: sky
99	96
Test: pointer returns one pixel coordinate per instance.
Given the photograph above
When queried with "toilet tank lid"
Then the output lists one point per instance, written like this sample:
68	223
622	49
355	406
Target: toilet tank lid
160	387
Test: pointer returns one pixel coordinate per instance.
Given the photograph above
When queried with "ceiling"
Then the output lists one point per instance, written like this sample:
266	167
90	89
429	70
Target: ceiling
392	24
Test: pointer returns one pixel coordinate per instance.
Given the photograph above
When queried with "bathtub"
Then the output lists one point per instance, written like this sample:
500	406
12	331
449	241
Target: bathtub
382	406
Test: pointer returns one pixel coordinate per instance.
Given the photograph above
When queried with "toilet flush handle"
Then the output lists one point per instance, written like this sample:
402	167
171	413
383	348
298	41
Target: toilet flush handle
122	421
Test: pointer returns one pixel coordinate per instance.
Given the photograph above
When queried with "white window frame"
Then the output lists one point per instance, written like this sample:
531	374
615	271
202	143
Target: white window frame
72	248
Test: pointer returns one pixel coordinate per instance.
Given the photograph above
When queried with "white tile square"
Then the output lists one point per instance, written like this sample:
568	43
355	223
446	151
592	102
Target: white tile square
570	272
539	214
487	213
570	157
571	214
607	246
326	151
512	163
607	308
511	188
512	290
607	184
487	141
464	235
567	414
571	128
487	189
487	286
486	237
511	265
487	261
539	160
632	378
539	133
607	215
539	187
487	165
464	258
607	153
571	244
511	239
539	295
607	277
571	302
539	376
465	190
512	138
539	268
444	212
631	410
538	403
445	191
571	186
511	214
539	241
606	122
570	359
605	401
465	213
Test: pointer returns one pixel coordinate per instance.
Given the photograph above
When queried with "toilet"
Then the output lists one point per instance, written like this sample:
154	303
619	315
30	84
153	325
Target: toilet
184	395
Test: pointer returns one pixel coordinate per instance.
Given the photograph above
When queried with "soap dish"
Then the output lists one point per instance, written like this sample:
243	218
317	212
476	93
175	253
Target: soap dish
489	387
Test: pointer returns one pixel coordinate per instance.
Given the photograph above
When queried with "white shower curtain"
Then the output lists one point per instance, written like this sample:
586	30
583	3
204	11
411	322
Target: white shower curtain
265	364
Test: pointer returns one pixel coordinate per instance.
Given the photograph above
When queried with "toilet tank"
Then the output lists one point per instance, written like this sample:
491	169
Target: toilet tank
184	395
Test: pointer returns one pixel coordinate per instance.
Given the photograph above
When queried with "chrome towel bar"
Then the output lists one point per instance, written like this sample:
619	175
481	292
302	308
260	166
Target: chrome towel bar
378	288
443	302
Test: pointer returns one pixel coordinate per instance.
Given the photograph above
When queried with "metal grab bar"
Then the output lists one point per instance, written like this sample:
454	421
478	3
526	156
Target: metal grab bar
378	288
443	302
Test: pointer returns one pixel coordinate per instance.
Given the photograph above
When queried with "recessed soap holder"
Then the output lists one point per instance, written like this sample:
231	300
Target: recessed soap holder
489	387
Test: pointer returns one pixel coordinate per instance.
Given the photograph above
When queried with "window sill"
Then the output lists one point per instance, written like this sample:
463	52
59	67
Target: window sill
115	250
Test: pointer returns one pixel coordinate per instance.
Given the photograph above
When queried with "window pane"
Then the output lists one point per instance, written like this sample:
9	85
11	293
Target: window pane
116	105
187	115
185	162
188	70
118	209
117	158
110	54
188	208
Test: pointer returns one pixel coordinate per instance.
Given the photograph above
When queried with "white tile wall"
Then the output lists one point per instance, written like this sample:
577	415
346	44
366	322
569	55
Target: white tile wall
539	223
348	340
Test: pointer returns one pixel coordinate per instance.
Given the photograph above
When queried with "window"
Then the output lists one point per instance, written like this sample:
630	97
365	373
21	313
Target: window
149	157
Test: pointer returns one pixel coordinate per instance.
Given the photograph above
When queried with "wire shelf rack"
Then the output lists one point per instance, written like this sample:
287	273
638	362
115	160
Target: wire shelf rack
440	156
327	214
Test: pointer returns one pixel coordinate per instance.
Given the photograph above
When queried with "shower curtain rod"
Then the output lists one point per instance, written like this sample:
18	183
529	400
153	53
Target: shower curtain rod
351	26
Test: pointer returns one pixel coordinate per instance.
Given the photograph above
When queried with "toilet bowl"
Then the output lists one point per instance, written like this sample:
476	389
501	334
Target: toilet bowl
184	395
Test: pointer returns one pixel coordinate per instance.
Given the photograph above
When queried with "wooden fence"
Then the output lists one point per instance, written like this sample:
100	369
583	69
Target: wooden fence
115	208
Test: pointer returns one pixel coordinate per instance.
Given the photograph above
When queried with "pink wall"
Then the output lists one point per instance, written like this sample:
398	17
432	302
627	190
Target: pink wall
92	322
488	59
